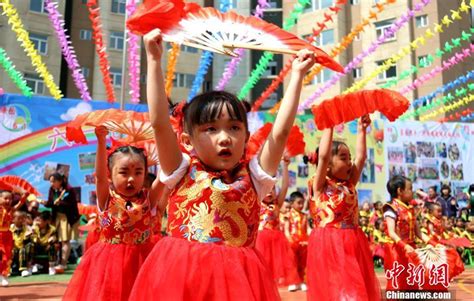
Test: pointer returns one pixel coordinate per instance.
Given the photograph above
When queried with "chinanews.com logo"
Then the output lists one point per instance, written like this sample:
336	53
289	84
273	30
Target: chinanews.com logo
437	275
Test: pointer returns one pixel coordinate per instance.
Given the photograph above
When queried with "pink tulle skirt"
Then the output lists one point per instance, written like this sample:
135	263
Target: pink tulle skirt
278	255
107	272
178	269
340	266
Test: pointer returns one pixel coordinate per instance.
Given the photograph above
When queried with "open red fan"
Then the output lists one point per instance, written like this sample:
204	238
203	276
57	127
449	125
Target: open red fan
18	184
460	242
209	29
294	146
347	107
135	125
437	256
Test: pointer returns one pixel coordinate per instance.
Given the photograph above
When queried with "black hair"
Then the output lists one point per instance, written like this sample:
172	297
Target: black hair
394	183
431	206
45	215
334	149
471	188
294	195
61	178
127	149
207	107
378	222
445	186
434	187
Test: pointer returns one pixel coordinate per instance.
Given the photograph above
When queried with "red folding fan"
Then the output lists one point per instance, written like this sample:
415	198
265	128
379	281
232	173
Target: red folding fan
135	125
294	146
209	29
347	107
18	184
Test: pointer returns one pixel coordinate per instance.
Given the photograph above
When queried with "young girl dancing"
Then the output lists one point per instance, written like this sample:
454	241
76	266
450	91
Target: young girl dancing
340	263
215	195
272	243
108	269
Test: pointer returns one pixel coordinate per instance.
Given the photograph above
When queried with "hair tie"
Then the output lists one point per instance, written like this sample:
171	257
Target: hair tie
313	158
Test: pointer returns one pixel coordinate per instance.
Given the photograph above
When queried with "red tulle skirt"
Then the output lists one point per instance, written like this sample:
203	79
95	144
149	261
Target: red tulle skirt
178	269
278	255
107	272
340	266
378	250
6	246
92	237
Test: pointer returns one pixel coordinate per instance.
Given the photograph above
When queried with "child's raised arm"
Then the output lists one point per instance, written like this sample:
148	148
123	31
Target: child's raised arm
361	149
273	148
169	154
101	178
324	156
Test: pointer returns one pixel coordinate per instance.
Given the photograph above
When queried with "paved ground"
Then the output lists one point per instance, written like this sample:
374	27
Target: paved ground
40	289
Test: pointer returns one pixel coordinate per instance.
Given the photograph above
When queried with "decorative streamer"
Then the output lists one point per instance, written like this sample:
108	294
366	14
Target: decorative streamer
206	58
441	90
328	16
456	15
133	57
66	48
231	67
29	48
373	47
13	74
94	16
172	59
261	67
346	41
455	59
446	107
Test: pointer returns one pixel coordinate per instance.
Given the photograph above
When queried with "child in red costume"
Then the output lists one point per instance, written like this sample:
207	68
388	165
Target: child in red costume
271	241
108	269
340	265
297	234
216	192
6	237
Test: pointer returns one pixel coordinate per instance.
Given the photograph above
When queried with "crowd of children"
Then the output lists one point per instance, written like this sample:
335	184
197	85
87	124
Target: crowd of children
230	235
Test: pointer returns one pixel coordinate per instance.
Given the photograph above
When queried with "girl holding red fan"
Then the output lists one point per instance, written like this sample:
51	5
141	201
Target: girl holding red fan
215	192
108	269
340	265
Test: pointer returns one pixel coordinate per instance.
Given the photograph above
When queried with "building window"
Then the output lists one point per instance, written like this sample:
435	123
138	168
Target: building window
37	6
317	4
183	80
271	69
382	26
85	34
274	4
41	42
354	2
85	71
389	73
188	49
35	83
116	74
323	76
422	21
357	73
118	6
116	40
424	61
325	38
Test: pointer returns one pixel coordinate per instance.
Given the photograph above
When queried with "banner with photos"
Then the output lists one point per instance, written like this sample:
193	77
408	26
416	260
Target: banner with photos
431	153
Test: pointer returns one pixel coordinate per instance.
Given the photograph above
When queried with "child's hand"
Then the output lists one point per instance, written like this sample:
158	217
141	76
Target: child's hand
286	160
364	122
303	62
101	132
153	44
409	249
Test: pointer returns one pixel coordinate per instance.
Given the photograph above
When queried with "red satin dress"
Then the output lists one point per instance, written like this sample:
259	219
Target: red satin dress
275	248
210	253
340	265
108	269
